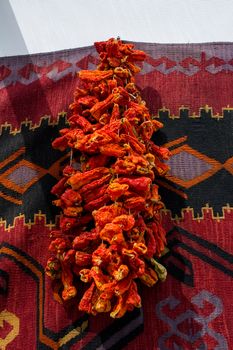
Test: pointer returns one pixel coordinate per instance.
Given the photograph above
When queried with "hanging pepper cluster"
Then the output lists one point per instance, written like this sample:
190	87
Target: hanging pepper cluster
110	232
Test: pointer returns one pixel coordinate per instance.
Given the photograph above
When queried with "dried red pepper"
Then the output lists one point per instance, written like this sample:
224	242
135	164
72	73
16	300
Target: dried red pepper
110	231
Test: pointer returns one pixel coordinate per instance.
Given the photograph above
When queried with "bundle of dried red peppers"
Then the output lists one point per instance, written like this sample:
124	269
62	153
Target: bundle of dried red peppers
110	232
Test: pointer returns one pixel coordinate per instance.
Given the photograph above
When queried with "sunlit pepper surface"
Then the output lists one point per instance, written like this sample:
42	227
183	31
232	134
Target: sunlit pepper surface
110	235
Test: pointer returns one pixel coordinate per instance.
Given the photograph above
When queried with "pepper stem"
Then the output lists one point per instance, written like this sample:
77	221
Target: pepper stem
160	269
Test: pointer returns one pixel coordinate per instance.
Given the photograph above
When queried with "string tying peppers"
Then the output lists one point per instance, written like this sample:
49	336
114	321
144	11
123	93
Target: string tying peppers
110	232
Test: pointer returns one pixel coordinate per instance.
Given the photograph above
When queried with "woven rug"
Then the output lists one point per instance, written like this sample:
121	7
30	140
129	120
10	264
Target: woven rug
189	88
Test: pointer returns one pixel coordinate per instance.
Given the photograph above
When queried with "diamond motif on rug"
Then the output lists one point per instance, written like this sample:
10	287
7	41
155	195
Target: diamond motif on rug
22	176
189	167
186	166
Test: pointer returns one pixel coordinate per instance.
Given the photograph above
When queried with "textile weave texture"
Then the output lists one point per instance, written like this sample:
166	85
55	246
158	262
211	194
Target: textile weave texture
189	88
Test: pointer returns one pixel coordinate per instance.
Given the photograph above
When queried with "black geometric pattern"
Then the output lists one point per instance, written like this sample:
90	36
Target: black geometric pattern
212	138
26	179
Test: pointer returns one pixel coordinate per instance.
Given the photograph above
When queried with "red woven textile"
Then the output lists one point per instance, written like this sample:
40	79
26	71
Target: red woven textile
189	88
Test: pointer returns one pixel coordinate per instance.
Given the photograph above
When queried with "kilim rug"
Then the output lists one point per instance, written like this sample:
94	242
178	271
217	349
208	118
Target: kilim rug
189	87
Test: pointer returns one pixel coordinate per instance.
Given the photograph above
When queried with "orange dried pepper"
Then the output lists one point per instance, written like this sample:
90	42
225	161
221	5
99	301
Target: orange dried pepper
95	75
110	229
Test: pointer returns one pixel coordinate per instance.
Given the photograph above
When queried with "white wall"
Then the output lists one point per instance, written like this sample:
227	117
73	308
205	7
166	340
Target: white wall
30	26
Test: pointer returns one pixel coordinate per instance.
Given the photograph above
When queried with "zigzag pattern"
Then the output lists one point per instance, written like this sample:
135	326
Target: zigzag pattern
187	214
21	221
205	111
56	70
207	213
30	72
30	126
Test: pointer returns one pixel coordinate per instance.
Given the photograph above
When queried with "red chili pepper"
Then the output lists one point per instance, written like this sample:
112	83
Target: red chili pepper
146	130
135	145
101	256
85	275
95	75
94	194
120	308
70	197
69	290
136	203
86	101
102	304
160	152
99	108
59	188
123	285
59	245
137	265
150	277
160	235
94	184
126	222
106	214
53	268
83	220
82	258
115	111
84	239
80	179
68	171
138	184
85	303
78	121
133	298
67	223
97	203
160	167
68	139
121	272
99	277
116	190
122	72
72	211
151	242
112	233
113	150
